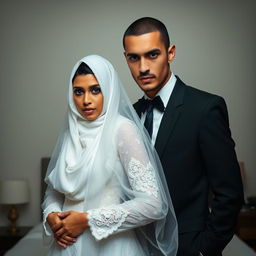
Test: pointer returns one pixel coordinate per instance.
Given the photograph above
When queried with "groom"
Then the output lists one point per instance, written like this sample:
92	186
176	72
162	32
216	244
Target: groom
190	131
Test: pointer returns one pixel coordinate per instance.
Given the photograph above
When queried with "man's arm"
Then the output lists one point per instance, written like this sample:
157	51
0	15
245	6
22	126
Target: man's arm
218	153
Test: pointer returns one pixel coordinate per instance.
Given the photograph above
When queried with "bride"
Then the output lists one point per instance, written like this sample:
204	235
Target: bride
106	193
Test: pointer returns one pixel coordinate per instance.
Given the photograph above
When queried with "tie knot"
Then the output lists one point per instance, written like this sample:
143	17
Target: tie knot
154	103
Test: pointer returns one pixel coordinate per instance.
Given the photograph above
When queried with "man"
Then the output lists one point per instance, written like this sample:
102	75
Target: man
190	131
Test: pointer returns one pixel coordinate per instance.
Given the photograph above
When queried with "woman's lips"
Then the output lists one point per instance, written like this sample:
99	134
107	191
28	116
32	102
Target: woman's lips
88	111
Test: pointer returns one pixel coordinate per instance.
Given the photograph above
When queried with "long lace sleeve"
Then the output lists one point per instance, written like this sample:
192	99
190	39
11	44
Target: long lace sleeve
53	202
144	205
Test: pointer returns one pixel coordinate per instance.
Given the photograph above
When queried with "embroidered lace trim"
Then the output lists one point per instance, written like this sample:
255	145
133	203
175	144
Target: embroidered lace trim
104	221
142	178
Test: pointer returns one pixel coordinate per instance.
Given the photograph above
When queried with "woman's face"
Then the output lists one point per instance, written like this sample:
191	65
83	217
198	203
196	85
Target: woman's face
87	96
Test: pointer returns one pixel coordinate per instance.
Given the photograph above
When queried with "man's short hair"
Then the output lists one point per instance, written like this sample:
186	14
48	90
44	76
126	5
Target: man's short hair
146	25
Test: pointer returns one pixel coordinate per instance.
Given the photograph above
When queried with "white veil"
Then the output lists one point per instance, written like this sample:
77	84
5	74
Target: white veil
85	159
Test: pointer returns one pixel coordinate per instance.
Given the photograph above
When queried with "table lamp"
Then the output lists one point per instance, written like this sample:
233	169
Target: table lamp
13	193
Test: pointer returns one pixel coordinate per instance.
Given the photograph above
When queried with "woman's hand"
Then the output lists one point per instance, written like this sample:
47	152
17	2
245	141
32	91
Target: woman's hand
52	219
72	224
55	222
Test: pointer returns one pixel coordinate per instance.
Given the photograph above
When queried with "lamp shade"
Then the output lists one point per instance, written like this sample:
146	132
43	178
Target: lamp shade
14	192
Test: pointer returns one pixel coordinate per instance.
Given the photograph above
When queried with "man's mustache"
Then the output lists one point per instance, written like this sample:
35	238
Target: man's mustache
145	74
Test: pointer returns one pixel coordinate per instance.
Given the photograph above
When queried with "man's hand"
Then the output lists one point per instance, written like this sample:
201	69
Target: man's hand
55	222
72	224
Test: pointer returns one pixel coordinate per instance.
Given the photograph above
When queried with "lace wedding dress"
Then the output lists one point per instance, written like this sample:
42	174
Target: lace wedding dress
112	225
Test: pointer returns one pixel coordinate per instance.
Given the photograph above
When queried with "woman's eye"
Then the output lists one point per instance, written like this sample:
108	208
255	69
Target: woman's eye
96	90
78	92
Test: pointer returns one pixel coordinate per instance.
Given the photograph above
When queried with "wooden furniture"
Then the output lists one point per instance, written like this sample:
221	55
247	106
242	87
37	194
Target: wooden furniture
32	244
7	240
246	227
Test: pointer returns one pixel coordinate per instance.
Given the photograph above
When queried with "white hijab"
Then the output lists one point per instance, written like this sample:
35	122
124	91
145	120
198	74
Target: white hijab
84	158
82	139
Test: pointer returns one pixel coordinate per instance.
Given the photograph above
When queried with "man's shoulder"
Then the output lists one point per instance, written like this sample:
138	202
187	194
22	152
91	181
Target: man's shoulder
195	94
191	90
200	101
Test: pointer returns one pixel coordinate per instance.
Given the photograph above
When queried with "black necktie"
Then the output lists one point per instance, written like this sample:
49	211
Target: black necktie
149	105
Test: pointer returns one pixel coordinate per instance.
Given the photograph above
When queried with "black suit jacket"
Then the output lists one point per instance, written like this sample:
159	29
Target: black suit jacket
197	153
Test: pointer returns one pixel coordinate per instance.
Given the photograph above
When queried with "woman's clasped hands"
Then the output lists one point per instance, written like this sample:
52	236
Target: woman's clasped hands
67	226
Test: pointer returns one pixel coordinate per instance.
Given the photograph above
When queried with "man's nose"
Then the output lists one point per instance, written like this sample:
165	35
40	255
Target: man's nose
144	67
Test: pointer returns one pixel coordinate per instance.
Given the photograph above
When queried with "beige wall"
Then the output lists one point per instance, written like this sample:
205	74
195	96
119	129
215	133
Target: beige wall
40	42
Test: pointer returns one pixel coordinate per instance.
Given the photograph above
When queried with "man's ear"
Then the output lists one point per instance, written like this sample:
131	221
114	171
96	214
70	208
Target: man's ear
171	52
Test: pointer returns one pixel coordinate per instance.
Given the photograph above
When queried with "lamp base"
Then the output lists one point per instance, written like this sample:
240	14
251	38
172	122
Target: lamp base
13	230
13	216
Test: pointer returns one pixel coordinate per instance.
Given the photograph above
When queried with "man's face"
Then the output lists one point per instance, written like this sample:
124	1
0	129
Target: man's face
148	61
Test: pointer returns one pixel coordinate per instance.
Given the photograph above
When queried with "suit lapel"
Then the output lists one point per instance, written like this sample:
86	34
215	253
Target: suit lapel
170	116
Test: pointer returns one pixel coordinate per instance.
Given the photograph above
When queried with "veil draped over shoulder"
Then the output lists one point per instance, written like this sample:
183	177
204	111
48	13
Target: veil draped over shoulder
110	165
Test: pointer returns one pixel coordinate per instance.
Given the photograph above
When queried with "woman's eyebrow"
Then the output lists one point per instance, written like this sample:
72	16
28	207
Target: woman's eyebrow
94	85
77	87
80	87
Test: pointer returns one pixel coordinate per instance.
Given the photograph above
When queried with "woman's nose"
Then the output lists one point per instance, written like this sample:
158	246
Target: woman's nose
87	100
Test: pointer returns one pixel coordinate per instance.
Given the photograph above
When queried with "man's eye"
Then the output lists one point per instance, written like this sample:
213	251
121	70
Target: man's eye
132	58
153	55
78	92
96	90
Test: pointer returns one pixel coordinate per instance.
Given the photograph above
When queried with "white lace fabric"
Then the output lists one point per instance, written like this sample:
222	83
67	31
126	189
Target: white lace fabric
105	221
142	178
108	220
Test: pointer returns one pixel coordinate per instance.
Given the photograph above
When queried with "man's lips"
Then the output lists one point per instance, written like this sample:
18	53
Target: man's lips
88	111
146	79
